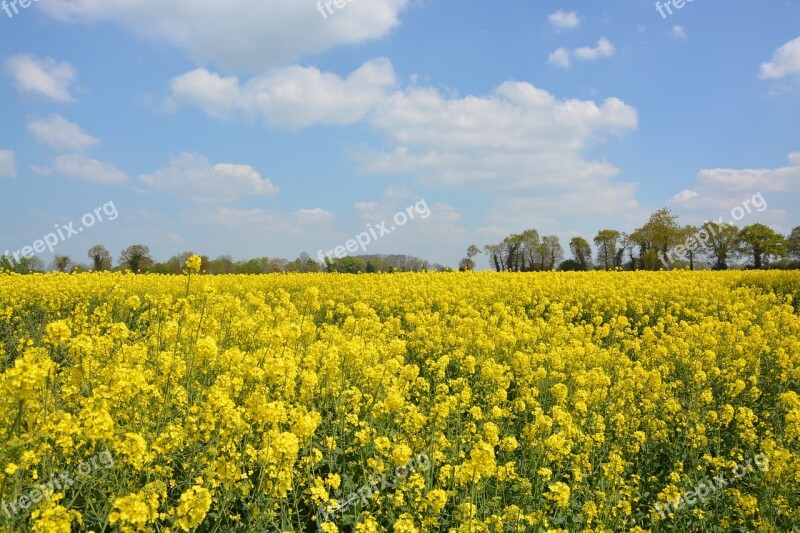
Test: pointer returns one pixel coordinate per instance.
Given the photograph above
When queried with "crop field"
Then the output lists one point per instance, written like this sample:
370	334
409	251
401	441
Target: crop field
453	402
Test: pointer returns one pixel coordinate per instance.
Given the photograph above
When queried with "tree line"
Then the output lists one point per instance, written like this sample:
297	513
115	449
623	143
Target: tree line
138	259
661	243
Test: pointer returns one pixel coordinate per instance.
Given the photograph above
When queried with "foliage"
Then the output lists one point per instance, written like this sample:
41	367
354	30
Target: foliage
762	243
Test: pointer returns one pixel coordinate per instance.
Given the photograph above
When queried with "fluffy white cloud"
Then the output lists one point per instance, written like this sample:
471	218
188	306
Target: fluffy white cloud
290	97
562	57
564	20
559	58
516	141
8	167
194	177
245	35
685	195
604	48
87	169
721	188
216	95
785	61
773	179
60	134
679	33
42	76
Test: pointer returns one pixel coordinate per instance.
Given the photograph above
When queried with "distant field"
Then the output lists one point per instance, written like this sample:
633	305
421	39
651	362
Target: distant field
463	402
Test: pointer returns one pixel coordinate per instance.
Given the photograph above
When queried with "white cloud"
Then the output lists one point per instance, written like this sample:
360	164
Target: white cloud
42	76
291	97
8	167
247	35
215	94
561	57
316	215
684	196
679	33
785	61
563	20
721	188
193	176
517	140
87	169
604	48
774	179
60	134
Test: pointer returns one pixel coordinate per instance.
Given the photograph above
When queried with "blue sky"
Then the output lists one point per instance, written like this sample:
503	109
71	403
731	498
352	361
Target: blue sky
270	127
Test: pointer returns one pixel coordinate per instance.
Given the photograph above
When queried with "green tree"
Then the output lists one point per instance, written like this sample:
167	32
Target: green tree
692	252
581	252
761	242
494	252
303	264
656	238
346	265
257	265
530	247
175	264
61	263
606	241
570	265
626	244
136	258
793	243
221	265
515	255
690	247
468	263
101	258
25	265
549	253
717	242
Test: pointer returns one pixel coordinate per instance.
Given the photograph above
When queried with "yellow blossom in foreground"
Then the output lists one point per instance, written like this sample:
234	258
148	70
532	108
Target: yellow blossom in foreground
194	504
457	402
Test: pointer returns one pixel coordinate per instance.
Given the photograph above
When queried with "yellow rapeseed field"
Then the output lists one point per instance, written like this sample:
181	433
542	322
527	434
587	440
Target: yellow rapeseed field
474	402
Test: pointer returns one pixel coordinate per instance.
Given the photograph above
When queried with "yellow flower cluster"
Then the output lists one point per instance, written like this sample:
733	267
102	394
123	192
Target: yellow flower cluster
544	402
